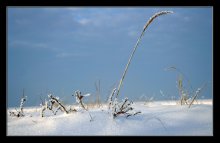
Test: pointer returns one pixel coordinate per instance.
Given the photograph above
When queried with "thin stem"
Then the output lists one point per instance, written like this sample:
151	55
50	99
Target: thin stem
136	45
196	94
129	61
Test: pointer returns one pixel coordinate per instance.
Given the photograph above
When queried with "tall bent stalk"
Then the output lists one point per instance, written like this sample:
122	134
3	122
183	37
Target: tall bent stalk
136	45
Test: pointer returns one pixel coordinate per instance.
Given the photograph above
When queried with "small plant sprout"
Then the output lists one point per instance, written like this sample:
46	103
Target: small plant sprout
136	45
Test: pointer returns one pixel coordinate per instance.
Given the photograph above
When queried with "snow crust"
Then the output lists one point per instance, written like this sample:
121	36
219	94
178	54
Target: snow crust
166	118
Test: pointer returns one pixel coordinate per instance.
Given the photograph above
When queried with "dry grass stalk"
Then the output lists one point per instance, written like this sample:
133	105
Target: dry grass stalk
198	91
136	45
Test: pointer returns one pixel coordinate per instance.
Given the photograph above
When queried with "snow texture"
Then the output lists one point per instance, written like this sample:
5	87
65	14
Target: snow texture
166	118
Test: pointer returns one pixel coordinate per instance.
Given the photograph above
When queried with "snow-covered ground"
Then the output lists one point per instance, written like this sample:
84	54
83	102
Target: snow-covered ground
157	118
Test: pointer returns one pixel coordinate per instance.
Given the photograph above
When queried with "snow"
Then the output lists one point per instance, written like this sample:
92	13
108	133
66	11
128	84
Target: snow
166	118
88	94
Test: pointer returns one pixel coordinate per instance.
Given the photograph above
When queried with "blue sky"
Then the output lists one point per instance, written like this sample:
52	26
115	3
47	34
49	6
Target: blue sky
64	49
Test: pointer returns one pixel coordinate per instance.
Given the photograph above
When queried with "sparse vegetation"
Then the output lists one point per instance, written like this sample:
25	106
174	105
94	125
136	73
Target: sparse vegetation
98	99
146	99
196	94
120	108
124	106
79	98
187	95
20	112
54	105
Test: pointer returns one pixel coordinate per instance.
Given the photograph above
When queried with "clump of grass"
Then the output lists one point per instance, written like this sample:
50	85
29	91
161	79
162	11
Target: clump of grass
136	45
183	93
187	96
120	108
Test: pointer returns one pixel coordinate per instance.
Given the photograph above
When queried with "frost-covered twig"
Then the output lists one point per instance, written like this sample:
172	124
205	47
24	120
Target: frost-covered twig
46	106
19	113
56	100
79	98
123	107
118	108
23	99
54	105
110	98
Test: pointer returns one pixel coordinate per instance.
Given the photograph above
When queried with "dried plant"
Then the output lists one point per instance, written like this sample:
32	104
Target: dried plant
97	87
54	105
120	108
79	98
19	113
198	91
185	94
136	45
55	100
